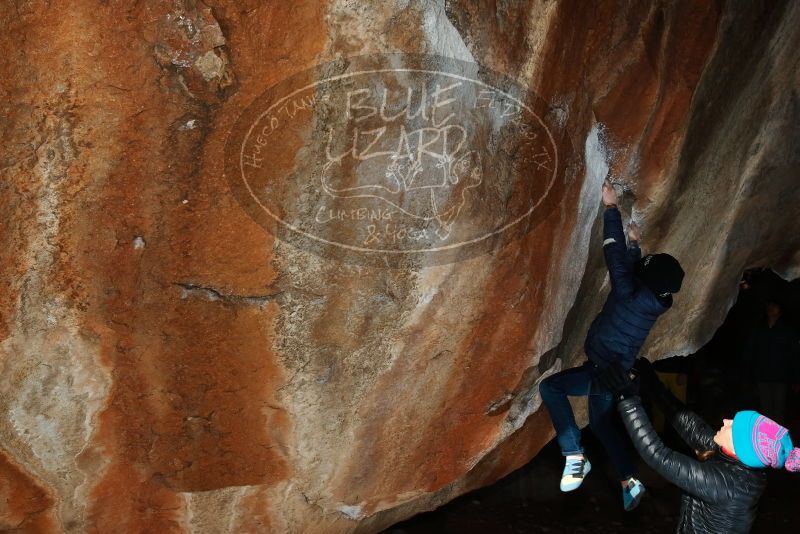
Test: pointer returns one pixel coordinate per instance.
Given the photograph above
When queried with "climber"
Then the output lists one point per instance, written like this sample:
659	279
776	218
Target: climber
723	486
641	290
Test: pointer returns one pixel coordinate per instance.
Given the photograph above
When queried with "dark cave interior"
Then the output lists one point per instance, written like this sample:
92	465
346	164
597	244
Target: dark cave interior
715	382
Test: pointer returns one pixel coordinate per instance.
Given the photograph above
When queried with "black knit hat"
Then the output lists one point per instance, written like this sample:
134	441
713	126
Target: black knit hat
660	272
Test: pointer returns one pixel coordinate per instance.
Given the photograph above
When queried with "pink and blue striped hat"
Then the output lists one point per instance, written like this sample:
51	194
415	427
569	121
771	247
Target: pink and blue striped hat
758	441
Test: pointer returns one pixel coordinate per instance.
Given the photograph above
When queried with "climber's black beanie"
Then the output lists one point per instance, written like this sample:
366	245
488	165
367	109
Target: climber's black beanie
660	272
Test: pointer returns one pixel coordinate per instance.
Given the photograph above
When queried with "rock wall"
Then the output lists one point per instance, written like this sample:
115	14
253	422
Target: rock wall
171	363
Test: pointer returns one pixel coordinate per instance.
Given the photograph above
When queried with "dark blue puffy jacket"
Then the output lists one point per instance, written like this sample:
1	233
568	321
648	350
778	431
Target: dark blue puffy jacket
630	310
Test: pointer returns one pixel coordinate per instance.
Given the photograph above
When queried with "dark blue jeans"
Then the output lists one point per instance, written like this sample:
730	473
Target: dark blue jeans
577	382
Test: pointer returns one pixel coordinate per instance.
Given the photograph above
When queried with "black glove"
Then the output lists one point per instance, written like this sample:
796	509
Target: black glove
653	389
617	380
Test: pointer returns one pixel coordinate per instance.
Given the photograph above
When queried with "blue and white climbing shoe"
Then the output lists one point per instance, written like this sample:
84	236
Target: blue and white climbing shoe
575	470
632	494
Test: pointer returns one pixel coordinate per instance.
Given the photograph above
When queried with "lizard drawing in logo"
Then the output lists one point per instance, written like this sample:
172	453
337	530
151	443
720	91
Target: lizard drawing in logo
427	177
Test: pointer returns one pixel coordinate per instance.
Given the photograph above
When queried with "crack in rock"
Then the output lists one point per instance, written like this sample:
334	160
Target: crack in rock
189	289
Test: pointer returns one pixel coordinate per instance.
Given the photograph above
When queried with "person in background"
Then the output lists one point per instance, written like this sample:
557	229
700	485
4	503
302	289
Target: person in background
641	290
722	487
771	361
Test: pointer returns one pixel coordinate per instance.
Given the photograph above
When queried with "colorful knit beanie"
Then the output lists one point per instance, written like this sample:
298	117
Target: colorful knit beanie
761	442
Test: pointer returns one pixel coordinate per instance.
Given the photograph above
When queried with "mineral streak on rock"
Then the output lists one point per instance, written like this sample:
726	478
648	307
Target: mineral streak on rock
167	365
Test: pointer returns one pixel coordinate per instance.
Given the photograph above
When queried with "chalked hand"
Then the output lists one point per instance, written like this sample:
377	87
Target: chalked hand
634	233
609	194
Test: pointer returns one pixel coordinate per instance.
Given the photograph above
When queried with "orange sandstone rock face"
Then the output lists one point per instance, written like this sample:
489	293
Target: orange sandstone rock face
189	347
